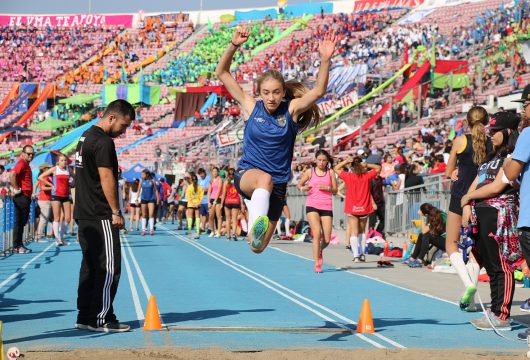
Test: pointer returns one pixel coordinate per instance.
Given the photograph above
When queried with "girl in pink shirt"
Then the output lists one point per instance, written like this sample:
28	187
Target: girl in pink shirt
320	183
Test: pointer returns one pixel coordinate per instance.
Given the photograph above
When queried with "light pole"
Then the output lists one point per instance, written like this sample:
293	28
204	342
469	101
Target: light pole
90	6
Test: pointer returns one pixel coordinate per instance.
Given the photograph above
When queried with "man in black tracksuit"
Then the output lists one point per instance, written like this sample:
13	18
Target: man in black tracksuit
99	219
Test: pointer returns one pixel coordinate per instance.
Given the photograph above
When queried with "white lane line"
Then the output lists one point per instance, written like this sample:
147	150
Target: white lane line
140	274
25	266
134	291
376	279
247	272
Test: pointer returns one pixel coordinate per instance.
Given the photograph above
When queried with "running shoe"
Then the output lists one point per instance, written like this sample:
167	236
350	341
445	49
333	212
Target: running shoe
362	258
21	250
258	231
217	235
151	232
234	237
465	300
494	323
318	268
81	326
196	236
348	247
58	243
415	263
113	326
143	232
356	259
320	260
525	307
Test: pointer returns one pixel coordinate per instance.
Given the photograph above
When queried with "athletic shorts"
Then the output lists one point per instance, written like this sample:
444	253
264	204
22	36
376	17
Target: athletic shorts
203	210
276	201
310	209
233	206
183	203
133	205
61	199
365	216
217	202
455	205
148	201
192	208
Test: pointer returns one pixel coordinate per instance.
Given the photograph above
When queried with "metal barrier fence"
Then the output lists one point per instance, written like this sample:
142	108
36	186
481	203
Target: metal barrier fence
7	224
401	207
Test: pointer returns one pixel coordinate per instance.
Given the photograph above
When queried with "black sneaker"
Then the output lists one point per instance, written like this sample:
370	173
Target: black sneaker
114	326
81	326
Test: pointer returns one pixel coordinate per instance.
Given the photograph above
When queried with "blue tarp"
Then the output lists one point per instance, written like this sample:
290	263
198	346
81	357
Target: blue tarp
208	103
26	89
255	14
69	138
307	8
136	173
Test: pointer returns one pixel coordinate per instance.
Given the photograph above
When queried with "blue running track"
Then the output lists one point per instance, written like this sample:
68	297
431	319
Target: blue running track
253	302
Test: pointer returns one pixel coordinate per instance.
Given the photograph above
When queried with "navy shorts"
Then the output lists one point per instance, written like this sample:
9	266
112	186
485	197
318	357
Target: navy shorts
276	202
203	210
455	205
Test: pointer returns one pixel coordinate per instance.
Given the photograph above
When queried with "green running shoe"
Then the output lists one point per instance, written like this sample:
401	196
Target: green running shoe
258	231
468	295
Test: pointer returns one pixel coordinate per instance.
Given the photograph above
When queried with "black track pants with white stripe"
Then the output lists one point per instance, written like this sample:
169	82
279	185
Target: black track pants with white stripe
100	271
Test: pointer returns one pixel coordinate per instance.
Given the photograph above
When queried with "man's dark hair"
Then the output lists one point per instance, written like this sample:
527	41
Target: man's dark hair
27	147
201	171
121	108
2	168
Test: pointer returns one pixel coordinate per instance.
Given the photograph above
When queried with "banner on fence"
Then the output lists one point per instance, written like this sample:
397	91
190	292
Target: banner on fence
331	106
366	5
230	137
66	20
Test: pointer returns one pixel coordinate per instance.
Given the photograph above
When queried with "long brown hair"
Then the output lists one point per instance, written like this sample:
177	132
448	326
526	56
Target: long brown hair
434	219
293	90
477	117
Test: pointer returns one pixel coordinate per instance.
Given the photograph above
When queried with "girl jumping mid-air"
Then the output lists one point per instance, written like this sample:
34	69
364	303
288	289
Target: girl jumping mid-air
271	126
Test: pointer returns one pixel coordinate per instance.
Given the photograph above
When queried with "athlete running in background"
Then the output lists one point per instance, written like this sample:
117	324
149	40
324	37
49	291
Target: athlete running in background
320	184
271	126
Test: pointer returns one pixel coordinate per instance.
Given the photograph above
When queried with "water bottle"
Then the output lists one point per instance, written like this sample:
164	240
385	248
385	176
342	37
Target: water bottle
385	249
526	282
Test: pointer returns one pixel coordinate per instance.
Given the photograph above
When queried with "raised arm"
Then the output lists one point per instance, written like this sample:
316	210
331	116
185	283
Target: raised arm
299	105
343	163
222	70
43	178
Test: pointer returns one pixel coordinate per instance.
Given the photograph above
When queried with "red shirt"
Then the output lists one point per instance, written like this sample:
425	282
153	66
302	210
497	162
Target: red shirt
167	189
438	168
45	195
358	198
24	180
232	196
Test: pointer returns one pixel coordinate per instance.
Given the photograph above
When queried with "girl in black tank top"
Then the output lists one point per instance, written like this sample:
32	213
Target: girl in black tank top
467	153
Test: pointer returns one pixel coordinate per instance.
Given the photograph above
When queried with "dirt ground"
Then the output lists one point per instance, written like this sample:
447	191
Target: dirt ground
307	354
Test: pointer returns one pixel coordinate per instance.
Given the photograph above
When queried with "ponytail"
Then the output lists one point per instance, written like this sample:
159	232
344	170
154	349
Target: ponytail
477	117
309	118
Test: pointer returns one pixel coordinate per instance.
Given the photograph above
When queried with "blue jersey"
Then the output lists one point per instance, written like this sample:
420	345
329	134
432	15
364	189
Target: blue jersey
204	183
268	142
148	190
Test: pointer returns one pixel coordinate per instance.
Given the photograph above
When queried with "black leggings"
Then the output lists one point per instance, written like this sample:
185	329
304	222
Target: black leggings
502	283
423	243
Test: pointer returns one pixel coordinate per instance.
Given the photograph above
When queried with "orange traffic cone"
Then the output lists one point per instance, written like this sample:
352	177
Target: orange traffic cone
152	318
366	323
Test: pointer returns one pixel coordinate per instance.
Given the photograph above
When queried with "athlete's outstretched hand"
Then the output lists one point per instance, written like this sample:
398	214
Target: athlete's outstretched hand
240	35
326	47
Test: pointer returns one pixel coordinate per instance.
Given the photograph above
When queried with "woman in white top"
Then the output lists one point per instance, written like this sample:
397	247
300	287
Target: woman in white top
134	208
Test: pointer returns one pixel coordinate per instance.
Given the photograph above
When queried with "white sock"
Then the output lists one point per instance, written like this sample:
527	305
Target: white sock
151	223
362	240
56	230
354	242
259	204
144	224
473	269
287	227
458	263
279	227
